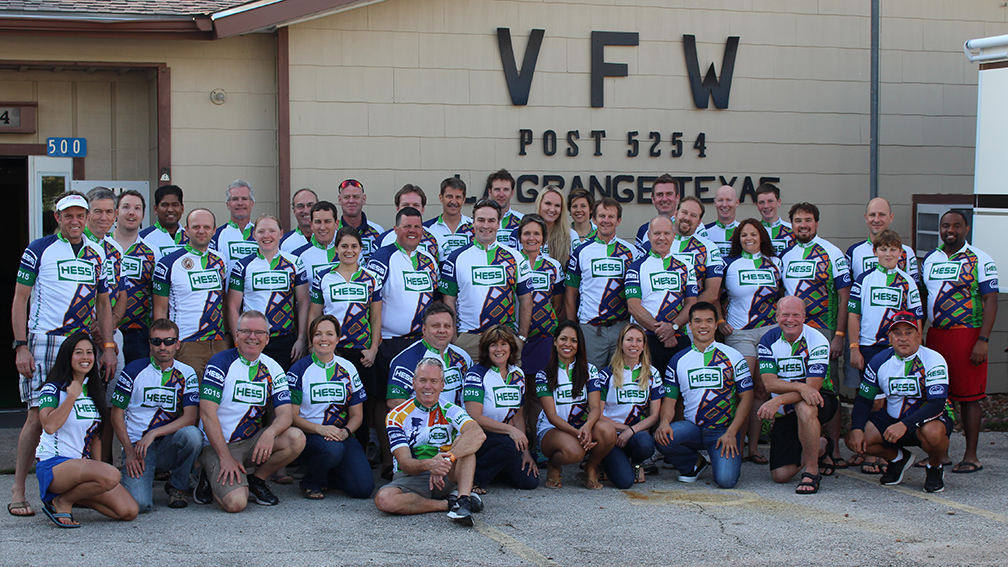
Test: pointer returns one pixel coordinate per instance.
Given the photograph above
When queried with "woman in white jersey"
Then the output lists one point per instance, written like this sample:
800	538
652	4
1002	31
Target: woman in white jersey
570	423
632	392
581	205
752	285
73	412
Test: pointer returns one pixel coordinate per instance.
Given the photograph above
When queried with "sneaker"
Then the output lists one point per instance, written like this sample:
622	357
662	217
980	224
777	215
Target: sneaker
894	472
461	512
373	454
935	481
691	476
202	493
176	497
261	492
476	503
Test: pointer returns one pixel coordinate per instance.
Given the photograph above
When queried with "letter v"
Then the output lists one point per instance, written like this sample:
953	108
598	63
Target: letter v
519	82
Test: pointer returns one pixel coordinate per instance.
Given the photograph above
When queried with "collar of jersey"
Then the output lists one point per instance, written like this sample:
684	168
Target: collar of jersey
598	239
166	373
907	359
298	231
749	256
886	271
709	348
563	366
247	362
195	252
326	365
414	259
272	263
364	226
947	255
539	261
772	224
480	246
443	355
316	244
178	231
723	225
423	408
245	232
90	235
808	244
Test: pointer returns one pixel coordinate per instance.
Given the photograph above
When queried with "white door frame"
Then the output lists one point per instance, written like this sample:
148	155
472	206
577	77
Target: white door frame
39	167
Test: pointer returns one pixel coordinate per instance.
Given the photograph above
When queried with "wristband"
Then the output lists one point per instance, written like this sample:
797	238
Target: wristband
840	334
632	430
719	321
109	345
451	457
855	346
983	338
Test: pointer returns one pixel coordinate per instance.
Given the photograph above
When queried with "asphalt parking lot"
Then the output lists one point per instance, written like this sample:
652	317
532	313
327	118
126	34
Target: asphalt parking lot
852	521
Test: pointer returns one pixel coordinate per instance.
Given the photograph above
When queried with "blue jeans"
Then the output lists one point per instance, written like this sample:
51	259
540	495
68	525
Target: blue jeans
342	461
499	458
176	453
619	463
136	345
684	451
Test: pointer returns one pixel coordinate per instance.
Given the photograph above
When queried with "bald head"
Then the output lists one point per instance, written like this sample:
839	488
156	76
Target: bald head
661	232
878	215
792	303
791	317
725	202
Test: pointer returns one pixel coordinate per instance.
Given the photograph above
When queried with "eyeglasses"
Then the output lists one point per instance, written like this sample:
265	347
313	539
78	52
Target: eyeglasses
303	206
256	332
351	183
158	341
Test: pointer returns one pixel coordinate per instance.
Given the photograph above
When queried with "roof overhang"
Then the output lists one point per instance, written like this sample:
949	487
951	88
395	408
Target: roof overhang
268	15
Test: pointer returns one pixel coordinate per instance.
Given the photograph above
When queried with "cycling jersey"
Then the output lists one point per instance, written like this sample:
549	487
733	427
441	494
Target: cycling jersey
570	408
545	282
65	286
313	258
427	242
814	271
112	265
153	397
508	223
193	282
486	283
752	283
233	243
242	388
878	295
447	239
807	357
721	235
137	278
513	242
627	403
325	390
908	384
662	285
955	285
700	255
407	283
781	235
578	240
598	270
643	243
293	241
73	439
455	360
426	431
709	382
501	397
861	257
369	233
161	242
349	301
267	286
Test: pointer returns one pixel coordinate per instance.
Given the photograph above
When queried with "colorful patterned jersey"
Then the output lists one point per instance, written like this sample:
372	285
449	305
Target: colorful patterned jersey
501	397
514	242
721	235
570	408
906	383
193	282
137	275
486	283
545	282
325	390
112	265
407	283
65	285
508	224
449	241
293	241
73	438
233	243
807	357
708	382
752	284
313	258
349	301
955	285
662	285
427	243
781	235
876	296
370	232
267	286
701	256
577	240
455	360
861	257
153	397
814	272
161	242
426	431
643	243
627	403
598	271
242	389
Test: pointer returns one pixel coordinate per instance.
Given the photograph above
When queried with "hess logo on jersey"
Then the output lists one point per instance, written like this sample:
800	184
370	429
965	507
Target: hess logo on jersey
904	386
507	396
85	410
757	277
885	297
666	281
801	269
437	434
159	397
631	395
78	271
791	368
251	393
349	292
455	242
702	378
607	268
452	379
271	281
204	280
132	267
418	282
242	248
538	281
944	271
488	275
327	393
565	394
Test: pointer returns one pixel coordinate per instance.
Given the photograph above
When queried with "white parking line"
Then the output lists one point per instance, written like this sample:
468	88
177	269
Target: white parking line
513	545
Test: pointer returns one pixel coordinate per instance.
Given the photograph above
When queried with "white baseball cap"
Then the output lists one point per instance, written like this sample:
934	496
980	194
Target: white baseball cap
72	201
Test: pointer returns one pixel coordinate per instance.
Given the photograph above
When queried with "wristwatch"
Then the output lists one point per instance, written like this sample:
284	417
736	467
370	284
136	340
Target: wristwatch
675	326
523	338
18	343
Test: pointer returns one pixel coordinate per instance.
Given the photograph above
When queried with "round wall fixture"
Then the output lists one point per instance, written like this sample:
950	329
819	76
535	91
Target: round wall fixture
218	96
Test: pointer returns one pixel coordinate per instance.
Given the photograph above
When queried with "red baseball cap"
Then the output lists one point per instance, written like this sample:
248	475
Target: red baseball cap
904	317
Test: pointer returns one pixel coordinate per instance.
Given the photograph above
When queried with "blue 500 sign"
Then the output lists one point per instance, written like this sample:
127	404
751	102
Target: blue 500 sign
66	147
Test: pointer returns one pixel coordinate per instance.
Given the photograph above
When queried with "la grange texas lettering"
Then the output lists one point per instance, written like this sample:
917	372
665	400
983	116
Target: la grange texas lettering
625	188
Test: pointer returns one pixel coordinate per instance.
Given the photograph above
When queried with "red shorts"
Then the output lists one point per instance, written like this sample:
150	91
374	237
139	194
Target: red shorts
967	383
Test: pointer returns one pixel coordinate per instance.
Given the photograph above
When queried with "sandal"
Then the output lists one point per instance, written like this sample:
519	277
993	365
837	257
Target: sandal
20	505
588	483
828	467
52	514
856	460
757	458
478	490
871	468
808	480
310	493
285	479
966	467
638	474
554	482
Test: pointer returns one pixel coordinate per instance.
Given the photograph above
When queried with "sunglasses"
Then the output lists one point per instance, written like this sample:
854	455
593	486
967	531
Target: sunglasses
158	341
351	183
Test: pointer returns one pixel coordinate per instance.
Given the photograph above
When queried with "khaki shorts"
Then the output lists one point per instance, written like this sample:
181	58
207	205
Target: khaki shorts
197	354
420	484
241	451
745	340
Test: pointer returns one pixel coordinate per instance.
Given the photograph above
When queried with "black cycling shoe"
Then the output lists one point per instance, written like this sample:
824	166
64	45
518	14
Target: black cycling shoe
894	472
202	494
261	492
935	481
461	512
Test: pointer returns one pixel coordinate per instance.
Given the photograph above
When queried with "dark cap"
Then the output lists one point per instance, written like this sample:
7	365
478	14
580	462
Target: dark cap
905	317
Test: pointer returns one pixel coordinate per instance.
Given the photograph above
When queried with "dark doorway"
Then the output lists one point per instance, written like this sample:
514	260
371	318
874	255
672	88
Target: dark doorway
14	189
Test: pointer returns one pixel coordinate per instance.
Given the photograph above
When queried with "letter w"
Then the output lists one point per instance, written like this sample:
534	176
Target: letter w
519	82
710	86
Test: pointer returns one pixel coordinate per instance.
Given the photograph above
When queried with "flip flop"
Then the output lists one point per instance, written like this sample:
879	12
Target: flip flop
856	460
55	516
871	468
286	479
20	505
757	458
588	483
807	479
970	468
554	482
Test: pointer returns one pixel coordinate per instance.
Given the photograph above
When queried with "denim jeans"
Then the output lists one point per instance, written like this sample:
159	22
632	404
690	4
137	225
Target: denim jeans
499	458
176	453
342	461
684	451
135	345
619	463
